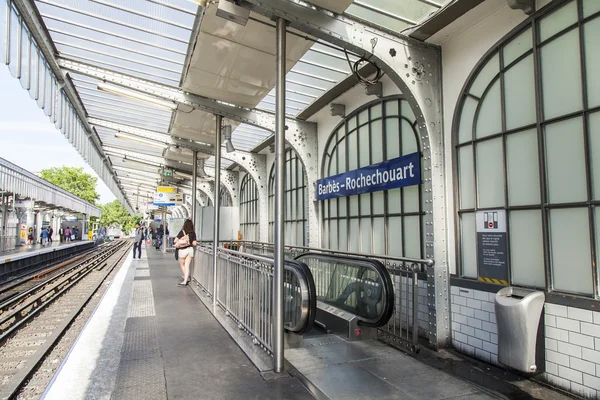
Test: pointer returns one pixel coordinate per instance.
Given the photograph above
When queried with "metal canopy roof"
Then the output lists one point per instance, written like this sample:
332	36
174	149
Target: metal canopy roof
177	43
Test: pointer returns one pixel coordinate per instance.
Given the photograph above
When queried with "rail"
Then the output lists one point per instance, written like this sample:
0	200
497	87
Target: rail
410	295
245	291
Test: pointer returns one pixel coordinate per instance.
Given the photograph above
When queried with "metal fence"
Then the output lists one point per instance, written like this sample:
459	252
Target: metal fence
411	315
245	292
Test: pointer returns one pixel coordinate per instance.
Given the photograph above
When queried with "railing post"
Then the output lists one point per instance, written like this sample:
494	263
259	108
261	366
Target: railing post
194	184
278	271
216	199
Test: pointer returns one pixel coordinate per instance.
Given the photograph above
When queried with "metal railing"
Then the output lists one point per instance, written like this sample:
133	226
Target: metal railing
410	297
245	291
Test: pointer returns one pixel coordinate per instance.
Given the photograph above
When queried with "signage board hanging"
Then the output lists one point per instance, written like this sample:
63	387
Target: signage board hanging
492	246
392	174
167	199
25	204
166	189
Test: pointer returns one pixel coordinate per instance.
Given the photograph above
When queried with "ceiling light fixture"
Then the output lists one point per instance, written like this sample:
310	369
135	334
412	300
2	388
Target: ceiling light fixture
131	94
227	135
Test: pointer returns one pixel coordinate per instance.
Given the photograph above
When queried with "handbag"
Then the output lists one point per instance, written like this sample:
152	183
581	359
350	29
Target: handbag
184	241
176	253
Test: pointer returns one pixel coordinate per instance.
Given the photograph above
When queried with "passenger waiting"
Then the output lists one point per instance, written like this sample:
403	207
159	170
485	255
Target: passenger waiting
68	235
185	242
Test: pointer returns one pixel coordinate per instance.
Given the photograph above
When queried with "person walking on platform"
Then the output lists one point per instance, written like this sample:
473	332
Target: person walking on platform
30	236
159	236
139	238
50	233
44	237
68	235
185	242
61	234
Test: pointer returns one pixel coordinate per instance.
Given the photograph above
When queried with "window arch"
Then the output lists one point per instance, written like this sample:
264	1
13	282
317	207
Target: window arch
526	131
385	222
249	219
295	200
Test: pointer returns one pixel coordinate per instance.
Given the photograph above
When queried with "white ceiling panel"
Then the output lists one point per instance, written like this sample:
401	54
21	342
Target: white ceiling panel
337	6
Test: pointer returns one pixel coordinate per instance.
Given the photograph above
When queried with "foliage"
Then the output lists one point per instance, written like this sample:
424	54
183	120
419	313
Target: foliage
114	214
73	180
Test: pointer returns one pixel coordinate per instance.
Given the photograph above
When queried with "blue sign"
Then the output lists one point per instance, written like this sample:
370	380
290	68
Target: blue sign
395	173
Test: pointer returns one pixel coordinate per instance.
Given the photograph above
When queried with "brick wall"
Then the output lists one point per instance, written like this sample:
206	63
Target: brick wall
572	339
474	323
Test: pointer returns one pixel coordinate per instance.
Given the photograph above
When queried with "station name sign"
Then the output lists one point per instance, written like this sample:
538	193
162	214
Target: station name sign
392	174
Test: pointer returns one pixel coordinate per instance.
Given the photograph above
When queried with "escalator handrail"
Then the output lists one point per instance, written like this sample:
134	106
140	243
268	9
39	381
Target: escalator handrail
308	315
386	280
302	271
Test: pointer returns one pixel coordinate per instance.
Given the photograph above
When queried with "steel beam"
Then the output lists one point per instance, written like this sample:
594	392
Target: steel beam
415	67
194	183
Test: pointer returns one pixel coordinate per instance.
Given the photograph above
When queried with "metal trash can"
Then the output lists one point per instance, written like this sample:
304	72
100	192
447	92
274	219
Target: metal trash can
518	315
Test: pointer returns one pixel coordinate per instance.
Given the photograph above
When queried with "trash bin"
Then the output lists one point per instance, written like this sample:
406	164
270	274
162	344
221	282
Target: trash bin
518	315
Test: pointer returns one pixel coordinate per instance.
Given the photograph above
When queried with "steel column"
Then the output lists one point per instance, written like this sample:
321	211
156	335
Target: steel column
194	184
278	233
165	239
216	203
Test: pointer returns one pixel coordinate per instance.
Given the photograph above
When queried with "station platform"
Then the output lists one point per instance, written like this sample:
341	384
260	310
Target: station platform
150	339
27	251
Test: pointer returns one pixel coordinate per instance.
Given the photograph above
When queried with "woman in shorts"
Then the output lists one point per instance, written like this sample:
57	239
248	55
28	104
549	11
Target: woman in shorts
185	242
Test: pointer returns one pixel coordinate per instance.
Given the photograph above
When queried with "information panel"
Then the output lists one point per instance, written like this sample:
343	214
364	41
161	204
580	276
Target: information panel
395	173
492	246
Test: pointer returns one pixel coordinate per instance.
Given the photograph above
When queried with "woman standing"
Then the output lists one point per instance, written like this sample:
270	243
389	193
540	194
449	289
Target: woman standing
185	242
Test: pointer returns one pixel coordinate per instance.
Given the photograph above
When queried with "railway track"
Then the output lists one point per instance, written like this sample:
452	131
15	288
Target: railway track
33	320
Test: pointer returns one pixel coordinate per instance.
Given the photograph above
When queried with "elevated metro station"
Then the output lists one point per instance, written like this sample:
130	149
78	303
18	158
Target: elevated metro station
393	199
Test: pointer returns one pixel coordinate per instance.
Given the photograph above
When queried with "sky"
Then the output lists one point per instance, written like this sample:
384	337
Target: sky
28	138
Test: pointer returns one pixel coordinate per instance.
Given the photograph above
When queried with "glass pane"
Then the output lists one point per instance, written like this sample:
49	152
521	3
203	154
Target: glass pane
490	179
342	207
589	7
365	235
466	176
391	108
378	236
363	117
489	119
353	234
352	151
523	168
365	204
3	10
409	139
517	47
406	111
340	153
412	237
565	161
376	111
333	235
364	144
411	199
351	125
468	245
594	136
570	244
560	59
465	130
485	76
558	20
378	203
392	134
35	78
591	32
526	248
353	205
394	201
519	97
376	142
395	236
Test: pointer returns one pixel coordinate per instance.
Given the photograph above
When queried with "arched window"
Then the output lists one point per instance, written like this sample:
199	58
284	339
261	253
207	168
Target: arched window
225	198
295	200
385	222
526	134
249	220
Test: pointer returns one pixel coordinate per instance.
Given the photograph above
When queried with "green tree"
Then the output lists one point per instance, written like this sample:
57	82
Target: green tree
114	214
74	181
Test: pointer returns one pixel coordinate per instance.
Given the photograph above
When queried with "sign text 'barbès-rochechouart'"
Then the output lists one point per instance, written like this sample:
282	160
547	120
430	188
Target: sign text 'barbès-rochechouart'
395	173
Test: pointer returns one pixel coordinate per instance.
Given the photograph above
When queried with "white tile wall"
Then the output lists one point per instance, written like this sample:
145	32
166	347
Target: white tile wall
400	302
572	339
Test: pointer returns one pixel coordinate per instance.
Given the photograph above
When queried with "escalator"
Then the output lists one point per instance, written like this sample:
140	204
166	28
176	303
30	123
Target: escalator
300	307
354	295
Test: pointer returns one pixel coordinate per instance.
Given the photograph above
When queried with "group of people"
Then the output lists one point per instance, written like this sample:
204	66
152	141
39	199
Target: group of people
47	232
184	245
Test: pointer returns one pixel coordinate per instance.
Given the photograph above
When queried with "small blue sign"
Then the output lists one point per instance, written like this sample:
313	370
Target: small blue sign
392	174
